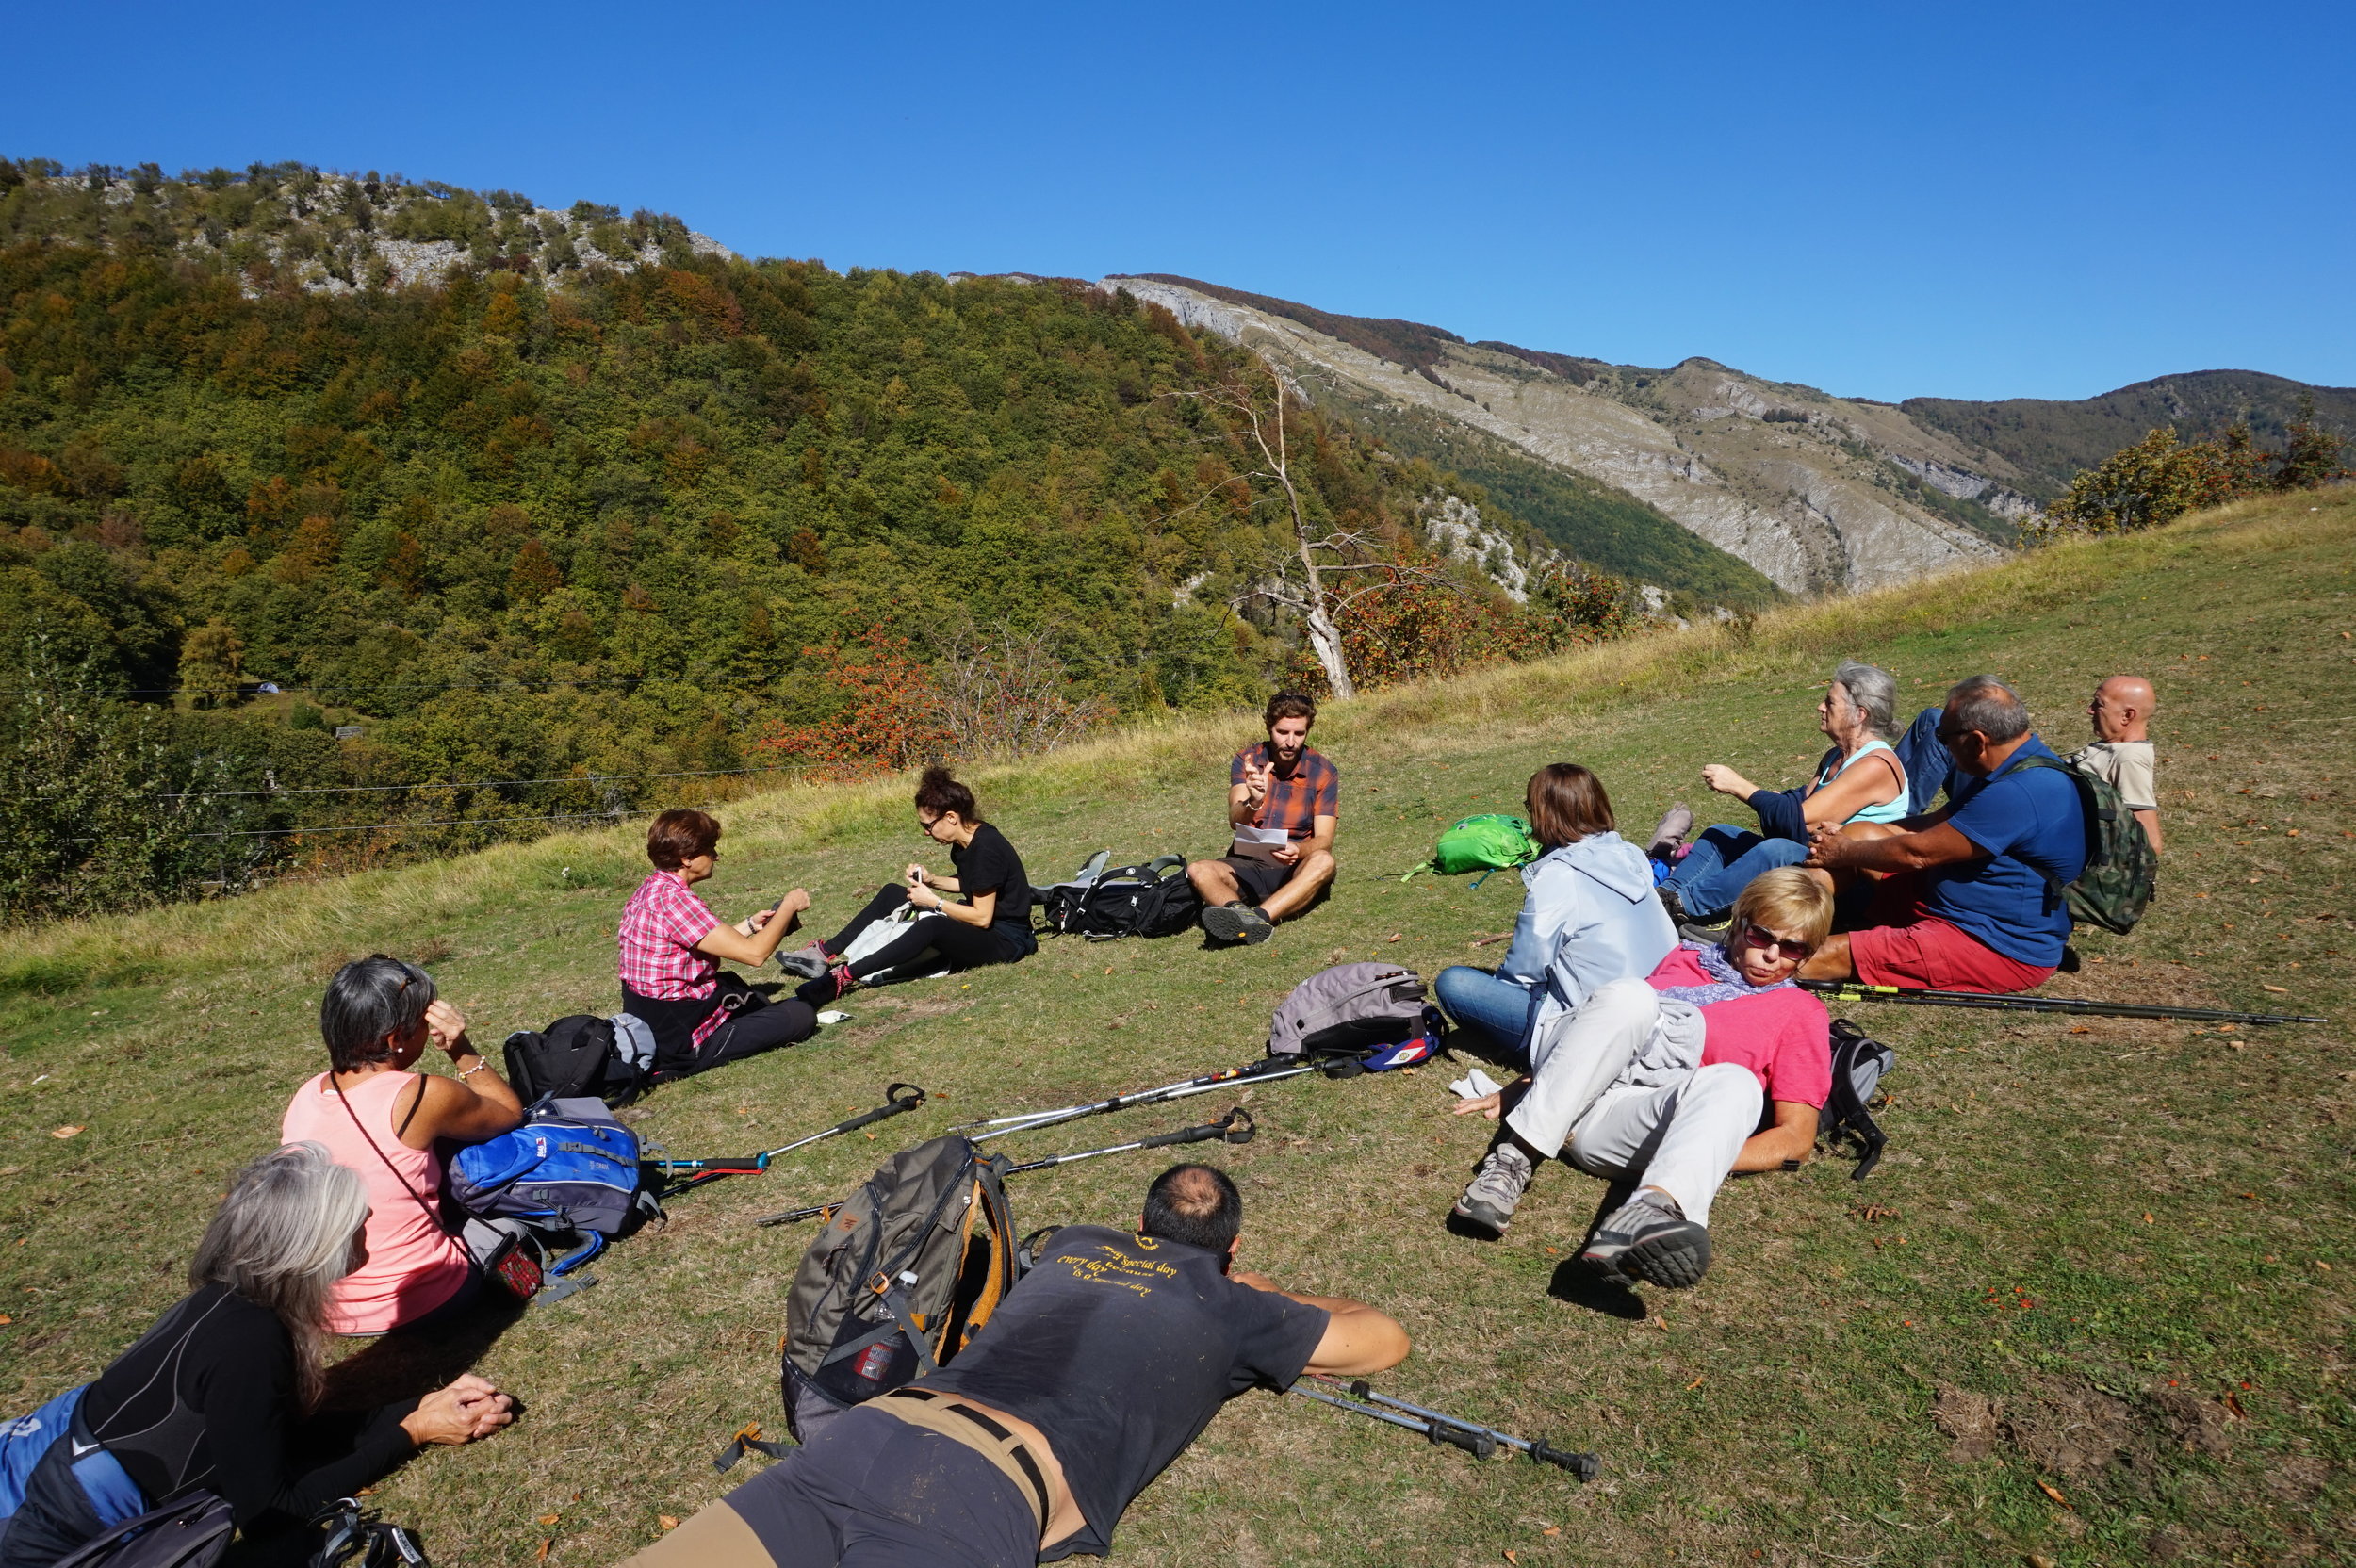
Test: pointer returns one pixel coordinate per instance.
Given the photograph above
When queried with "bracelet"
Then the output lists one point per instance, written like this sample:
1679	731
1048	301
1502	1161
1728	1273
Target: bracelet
466	1073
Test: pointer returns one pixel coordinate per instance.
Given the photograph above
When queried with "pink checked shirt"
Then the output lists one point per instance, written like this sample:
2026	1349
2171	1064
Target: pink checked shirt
661	925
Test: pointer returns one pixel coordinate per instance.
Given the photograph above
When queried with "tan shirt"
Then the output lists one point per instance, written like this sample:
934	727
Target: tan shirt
2127	766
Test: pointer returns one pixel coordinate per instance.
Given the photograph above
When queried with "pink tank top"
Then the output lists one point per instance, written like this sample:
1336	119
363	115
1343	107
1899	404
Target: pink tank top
414	1264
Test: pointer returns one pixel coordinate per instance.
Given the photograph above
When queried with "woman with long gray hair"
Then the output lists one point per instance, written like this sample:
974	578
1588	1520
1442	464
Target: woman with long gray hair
216	1397
1859	779
385	1122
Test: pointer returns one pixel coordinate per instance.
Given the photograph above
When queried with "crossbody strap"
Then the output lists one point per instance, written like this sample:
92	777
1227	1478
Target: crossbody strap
431	1212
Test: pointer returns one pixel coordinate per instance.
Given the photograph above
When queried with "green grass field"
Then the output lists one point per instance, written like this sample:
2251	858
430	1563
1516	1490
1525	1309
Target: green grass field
2094	1307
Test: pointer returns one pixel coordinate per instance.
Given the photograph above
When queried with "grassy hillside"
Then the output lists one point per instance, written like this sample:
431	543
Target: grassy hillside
2052	440
2134	1236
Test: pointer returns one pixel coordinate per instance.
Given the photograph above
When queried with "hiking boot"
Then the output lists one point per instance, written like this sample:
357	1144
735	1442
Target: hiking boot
1237	923
835	984
1675	905
1675	824
809	963
1496	1191
1650	1237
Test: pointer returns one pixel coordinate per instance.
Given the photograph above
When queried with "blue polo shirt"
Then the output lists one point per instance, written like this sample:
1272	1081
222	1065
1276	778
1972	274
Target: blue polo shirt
2030	823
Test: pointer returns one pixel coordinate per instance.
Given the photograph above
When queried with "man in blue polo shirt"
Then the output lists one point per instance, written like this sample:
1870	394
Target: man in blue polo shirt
1971	896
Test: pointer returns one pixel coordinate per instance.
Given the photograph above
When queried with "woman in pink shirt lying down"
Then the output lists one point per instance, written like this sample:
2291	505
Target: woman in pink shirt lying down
1714	1063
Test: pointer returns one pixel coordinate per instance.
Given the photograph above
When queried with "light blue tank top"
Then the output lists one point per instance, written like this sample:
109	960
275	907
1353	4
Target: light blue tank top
1894	809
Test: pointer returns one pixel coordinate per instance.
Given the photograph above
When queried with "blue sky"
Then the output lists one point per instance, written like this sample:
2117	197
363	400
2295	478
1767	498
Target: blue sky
1990	199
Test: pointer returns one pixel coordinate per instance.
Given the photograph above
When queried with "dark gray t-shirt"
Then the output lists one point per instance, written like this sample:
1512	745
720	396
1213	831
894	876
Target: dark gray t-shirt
1121	1349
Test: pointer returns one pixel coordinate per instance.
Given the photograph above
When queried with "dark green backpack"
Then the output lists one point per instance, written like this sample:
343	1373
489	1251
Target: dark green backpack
2122	869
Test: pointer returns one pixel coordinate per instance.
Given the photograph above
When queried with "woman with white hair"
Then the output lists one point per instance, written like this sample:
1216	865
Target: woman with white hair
215	1396
393	1126
1859	779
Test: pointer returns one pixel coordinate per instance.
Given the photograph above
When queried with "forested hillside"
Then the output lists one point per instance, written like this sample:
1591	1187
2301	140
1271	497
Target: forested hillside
556	519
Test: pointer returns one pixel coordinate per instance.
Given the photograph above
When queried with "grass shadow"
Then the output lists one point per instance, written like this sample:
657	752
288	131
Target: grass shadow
407	1365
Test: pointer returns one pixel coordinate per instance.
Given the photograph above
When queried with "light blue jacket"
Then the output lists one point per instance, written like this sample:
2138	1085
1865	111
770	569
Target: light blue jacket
1590	917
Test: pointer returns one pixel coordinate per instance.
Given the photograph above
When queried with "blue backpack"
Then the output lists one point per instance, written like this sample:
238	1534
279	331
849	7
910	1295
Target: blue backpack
569	1167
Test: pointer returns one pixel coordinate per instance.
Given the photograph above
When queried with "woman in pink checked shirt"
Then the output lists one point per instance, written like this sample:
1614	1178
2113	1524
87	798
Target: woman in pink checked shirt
671	948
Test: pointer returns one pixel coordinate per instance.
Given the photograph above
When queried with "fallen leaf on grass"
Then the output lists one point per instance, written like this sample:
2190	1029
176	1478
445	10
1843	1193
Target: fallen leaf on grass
2039	1559
6	1320
2278	991
2053	1491
65	1132
666	1521
1552	1529
1392	937
2234	1405
1694	1384
2081	1029
542	1555
1511	1558
548	1518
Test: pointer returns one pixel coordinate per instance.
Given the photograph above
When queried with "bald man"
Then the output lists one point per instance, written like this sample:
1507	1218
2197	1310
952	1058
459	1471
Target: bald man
2121	751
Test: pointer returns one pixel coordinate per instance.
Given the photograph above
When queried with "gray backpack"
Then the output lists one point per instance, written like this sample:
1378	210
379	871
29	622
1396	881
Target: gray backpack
899	1278
1348	1008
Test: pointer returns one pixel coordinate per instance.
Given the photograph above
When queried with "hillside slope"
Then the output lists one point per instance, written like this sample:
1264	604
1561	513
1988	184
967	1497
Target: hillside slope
1814	492
2102	1258
2050	441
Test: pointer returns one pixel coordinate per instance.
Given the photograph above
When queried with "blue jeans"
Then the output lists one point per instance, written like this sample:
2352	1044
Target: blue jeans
1487	1005
1721	863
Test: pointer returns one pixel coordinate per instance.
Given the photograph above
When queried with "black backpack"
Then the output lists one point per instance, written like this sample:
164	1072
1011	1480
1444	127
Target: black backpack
1858	1063
579	1057
1151	900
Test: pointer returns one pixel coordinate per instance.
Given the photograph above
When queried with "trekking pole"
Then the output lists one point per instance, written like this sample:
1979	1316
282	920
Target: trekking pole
700	1171
1477	1440
1234	1127
1853	990
1266	1070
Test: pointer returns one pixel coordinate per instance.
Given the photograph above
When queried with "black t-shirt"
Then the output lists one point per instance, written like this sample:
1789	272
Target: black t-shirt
207	1399
988	865
1121	1349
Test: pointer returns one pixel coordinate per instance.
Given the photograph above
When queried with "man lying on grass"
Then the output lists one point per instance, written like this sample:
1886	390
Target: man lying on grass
1096	1372
1283	801
1970	897
1715	1063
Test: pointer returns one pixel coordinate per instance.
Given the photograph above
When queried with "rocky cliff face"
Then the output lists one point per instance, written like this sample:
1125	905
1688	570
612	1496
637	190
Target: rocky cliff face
1816	492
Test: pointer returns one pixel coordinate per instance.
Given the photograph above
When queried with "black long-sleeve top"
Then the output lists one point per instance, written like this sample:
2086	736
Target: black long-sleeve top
207	1399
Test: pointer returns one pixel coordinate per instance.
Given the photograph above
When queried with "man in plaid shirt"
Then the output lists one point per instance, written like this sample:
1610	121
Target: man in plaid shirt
1281	784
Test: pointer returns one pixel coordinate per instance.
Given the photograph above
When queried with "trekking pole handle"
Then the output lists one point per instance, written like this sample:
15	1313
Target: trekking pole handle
1475	1441
1234	1127
1585	1466
894	1103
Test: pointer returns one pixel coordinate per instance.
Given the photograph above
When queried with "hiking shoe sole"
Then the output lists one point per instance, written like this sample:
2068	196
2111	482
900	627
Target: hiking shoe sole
1223	923
1474	1212
805	963
1258	927
1671	1256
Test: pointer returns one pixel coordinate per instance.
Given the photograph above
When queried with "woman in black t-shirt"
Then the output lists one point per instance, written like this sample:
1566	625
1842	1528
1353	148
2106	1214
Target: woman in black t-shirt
992	926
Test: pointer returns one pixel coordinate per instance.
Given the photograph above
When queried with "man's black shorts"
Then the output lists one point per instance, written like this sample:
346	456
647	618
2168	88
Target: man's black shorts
1258	879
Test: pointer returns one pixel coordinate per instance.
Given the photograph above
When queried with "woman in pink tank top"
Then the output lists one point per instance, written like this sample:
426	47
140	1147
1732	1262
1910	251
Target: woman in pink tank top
382	1121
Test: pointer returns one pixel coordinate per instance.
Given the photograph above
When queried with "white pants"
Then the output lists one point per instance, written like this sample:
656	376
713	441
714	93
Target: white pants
1618	1083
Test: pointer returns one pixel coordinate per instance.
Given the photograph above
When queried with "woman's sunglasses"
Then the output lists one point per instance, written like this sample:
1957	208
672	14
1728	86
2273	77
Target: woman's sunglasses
1758	936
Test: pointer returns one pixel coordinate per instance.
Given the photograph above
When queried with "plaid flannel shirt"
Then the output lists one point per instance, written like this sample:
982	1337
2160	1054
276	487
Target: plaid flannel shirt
661	925
1293	804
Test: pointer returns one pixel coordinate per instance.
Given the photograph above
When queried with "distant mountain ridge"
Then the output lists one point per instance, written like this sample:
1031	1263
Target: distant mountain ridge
1815	492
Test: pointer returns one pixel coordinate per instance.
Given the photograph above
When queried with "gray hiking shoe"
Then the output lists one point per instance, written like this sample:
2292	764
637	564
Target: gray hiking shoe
1675	824
1237	923
1650	1237
1490	1200
809	963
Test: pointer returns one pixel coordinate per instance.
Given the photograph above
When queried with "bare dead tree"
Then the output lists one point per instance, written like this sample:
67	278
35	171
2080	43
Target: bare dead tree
1315	596
1008	697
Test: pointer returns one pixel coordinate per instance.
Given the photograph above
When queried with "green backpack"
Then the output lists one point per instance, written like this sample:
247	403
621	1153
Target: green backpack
2122	869
1484	844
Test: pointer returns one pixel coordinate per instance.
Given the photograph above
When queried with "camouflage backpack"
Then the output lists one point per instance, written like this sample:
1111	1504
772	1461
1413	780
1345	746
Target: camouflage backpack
2121	871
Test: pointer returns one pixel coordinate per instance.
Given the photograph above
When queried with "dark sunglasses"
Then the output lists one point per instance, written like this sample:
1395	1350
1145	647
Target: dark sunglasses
1758	936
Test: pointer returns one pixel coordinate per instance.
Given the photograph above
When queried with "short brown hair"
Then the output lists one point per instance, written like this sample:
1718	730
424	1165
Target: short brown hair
679	835
941	795
1789	900
1567	803
1289	705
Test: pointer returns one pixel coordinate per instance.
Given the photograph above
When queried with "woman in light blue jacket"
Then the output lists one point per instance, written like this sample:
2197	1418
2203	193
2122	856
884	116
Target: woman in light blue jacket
1590	917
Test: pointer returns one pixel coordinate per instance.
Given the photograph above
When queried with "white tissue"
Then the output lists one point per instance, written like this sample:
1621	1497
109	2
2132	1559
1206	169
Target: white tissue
1474	1085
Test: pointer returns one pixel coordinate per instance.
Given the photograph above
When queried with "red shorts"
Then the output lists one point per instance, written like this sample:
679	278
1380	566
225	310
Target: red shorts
1908	947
